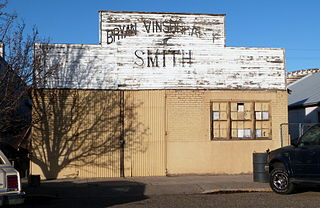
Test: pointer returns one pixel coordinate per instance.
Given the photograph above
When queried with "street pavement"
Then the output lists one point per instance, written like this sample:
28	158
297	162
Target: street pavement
164	192
145	186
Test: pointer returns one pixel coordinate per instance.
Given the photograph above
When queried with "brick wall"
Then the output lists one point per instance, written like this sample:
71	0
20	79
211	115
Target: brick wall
190	148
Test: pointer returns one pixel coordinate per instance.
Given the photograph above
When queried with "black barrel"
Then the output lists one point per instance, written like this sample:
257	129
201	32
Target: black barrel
259	173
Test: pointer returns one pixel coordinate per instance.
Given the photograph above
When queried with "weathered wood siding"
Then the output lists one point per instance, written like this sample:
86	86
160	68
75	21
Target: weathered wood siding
161	28
164	51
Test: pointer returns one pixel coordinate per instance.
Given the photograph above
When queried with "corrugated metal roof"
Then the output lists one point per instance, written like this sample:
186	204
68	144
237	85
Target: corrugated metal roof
305	91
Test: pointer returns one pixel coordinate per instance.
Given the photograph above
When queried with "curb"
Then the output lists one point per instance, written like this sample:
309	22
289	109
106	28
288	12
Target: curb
234	191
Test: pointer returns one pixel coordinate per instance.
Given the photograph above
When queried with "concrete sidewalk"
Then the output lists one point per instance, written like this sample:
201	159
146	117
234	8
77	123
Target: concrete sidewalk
145	186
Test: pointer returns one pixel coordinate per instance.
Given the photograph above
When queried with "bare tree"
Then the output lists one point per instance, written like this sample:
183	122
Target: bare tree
69	127
75	128
17	76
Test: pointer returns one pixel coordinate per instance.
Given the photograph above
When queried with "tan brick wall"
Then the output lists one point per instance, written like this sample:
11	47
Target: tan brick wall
190	149
185	115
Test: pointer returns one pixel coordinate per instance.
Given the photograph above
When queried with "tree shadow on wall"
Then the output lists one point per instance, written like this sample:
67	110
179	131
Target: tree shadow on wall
81	129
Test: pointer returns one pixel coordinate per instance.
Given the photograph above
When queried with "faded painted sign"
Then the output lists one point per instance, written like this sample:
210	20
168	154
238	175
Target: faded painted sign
116	26
164	51
163	58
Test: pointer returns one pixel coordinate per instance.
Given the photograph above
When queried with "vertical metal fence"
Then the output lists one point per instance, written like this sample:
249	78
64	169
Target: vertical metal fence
295	130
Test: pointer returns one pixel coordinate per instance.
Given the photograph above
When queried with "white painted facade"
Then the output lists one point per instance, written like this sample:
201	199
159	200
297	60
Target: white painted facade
164	51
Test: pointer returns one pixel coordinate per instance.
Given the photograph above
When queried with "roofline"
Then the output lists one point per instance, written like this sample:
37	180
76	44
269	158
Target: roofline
99	45
304	70
255	48
291	107
137	12
68	45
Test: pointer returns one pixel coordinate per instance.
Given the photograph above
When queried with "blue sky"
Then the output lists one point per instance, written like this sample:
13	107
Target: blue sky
293	25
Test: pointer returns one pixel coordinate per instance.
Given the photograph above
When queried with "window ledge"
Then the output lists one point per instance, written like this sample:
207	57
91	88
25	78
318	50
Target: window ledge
241	139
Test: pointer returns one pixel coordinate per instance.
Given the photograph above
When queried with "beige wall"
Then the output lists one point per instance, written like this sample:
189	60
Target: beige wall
190	148
168	132
76	133
96	128
145	145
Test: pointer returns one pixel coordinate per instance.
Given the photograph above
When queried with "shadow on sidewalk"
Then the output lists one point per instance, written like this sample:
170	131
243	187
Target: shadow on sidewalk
98	194
307	188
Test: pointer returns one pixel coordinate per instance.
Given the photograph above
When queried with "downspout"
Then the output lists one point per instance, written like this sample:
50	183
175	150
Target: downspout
121	138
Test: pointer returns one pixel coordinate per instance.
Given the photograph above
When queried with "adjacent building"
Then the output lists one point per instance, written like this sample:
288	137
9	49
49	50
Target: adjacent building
15	106
15	116
304	102
296	75
160	95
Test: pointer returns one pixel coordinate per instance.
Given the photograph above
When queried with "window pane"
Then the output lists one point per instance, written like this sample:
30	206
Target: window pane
233	107
223	115
223	106
311	137
265	124
258	125
265	106
258	115
234	133
258	107
240	115
248	107
240	107
223	133
247	133
265	132
234	115
240	133
216	133
265	115
247	115
215	107
258	133
216	115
